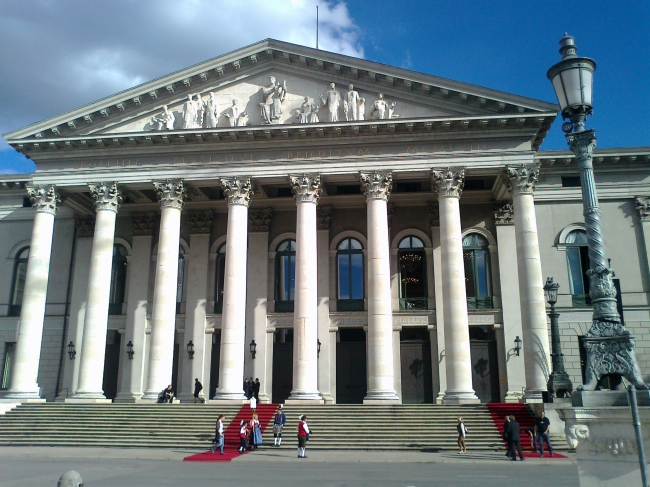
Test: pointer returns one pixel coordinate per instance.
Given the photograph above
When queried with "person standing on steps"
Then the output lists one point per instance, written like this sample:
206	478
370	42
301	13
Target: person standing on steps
198	387
243	436
543	426
303	436
256	389
506	438
218	435
462	432
253	403
279	420
256	432
514	440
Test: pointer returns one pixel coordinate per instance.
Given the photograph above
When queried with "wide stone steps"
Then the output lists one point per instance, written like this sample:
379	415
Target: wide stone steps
191	426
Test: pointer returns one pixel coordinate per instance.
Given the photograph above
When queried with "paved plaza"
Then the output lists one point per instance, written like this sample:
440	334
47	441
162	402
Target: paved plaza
100	467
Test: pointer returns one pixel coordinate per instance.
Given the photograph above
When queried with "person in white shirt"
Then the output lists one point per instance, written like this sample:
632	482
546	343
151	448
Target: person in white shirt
303	436
219	435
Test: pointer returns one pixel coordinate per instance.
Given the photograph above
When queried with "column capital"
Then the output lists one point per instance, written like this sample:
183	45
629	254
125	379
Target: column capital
306	188
642	204
377	185
259	219
143	223
521	179
448	183
434	214
200	222
504	214
582	144
324	214
106	196
171	193
238	190
85	227
44	198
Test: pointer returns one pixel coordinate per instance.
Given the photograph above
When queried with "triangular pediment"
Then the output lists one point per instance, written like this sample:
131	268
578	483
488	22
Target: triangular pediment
307	73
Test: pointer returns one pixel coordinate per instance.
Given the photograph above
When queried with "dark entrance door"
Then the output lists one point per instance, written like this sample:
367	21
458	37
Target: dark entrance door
215	356
282	365
415	351
175	368
485	370
351	384
111	364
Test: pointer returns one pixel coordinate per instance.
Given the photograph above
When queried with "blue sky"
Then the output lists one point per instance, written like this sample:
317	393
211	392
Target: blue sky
66	54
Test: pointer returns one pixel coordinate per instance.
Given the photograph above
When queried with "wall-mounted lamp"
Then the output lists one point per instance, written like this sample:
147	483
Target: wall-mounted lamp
318	348
129	350
71	351
517	345
253	348
190	349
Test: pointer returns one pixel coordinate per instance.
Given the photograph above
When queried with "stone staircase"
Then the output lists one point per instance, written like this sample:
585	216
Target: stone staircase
191	426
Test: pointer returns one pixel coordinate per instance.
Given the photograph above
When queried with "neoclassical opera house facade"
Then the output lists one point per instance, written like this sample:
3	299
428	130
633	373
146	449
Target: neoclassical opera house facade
343	230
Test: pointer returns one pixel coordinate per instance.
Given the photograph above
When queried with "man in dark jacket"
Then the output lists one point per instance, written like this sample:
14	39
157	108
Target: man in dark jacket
198	387
514	440
256	389
506	437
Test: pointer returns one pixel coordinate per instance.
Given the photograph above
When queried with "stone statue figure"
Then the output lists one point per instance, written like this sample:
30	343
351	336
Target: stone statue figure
273	95
189	113
232	114
304	112
71	478
242	120
212	111
164	119
379	108
200	111
361	109
332	100
313	116
351	104
391	110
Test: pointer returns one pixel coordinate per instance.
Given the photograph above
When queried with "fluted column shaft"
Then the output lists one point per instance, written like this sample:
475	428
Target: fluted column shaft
381	373
449	185
93	346
522	180
163	319
233	322
30	332
306	189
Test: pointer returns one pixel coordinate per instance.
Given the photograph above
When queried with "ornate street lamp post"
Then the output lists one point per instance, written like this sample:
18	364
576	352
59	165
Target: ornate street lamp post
610	348
559	384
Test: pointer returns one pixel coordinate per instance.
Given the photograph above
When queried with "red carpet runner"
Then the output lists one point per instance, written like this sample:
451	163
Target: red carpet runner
231	449
499	410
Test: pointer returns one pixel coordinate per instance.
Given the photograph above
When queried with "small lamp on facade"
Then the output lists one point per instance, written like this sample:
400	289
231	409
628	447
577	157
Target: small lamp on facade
253	348
318	348
129	350
71	351
517	345
190	349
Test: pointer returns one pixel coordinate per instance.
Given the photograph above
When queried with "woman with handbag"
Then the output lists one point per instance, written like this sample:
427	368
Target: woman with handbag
462	432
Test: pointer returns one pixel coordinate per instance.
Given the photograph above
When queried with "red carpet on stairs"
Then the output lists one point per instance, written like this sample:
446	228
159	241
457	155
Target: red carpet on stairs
499	410
231	448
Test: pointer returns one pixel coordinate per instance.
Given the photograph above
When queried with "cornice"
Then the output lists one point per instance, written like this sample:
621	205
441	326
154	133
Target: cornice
623	156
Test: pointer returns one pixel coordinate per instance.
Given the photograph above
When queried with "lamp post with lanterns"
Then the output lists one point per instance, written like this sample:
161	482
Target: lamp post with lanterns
559	384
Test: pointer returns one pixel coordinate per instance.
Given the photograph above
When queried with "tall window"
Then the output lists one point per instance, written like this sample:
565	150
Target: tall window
350	268
181	280
412	274
8	359
118	280
285	276
477	271
578	263
220	272
18	283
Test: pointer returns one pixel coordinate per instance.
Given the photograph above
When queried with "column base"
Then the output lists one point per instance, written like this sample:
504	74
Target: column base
327	398
532	396
303	398
440	398
264	399
186	397
381	397
127	397
228	402
514	396
230	396
460	398
24	396
88	400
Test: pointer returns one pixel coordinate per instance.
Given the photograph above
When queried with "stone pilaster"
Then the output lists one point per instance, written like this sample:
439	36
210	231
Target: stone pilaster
107	200
24	375
327	355
238	193
163	317
381	371
306	190
449	184
521	180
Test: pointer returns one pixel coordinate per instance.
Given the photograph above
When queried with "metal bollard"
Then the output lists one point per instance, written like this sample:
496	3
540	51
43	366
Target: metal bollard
639	437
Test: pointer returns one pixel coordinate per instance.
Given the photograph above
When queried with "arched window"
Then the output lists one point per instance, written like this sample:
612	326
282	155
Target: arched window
285	276
578	263
18	283
349	258
220	272
181	279
118	280
476	257
412	274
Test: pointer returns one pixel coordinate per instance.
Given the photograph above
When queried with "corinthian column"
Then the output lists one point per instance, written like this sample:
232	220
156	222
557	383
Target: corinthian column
449	185
30	331
306	191
521	181
163	319
91	367
381	374
233	319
